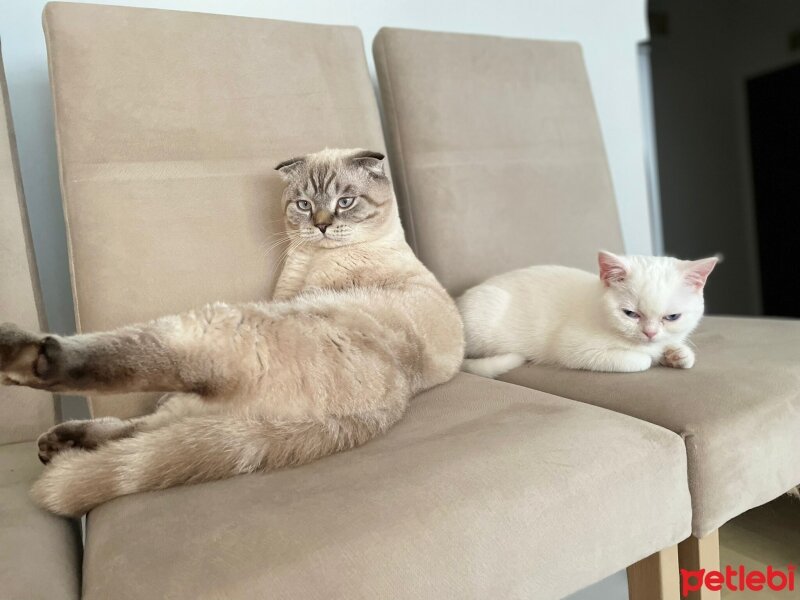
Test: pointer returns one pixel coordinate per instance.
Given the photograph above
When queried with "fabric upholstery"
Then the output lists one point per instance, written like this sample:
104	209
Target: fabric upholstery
169	125
24	413
40	554
463	113
484	490
497	153
19	463
738	410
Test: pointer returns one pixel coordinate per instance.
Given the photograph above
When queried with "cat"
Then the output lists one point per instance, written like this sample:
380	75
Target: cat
356	327
639	311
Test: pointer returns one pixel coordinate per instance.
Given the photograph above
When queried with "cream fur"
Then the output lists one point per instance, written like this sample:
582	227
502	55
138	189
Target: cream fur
568	317
357	327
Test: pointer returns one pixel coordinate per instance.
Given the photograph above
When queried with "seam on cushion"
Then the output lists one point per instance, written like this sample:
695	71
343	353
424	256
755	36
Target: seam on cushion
51	68
399	137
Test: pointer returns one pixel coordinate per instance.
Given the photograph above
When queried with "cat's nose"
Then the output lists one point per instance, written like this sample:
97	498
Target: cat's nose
322	227
650	333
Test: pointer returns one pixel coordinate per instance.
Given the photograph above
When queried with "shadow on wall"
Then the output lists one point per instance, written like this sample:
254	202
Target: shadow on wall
720	192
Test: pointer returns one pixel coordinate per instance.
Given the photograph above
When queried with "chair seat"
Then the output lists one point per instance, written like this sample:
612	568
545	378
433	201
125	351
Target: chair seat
483	490
40	554
738	410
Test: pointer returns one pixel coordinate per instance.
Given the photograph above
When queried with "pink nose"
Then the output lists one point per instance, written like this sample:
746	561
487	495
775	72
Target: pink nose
649	333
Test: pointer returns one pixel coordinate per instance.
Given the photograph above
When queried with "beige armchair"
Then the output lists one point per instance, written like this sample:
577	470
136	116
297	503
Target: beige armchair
499	137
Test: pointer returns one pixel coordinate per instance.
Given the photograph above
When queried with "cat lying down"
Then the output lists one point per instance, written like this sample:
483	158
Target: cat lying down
638	312
356	327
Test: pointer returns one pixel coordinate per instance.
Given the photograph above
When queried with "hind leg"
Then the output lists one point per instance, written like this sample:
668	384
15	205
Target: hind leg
196	352
91	433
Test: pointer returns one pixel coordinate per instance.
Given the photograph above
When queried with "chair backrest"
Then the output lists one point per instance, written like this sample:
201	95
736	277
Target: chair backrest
24	413
496	151
169	126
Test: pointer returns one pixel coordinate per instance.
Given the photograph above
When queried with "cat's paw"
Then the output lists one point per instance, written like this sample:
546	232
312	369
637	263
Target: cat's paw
86	435
27	358
678	357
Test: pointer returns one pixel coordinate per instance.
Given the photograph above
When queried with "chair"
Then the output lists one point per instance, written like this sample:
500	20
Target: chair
498	150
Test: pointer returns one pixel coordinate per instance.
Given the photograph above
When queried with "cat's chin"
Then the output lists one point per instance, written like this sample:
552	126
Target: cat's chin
327	242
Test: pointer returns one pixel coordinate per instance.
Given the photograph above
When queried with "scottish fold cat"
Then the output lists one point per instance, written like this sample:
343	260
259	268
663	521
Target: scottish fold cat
638	312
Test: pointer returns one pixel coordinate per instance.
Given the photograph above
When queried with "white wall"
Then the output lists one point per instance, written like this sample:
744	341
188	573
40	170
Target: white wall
608	30
699	69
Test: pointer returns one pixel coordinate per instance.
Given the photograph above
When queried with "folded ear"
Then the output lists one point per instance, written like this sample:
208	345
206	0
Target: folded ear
289	167
369	160
697	271
613	268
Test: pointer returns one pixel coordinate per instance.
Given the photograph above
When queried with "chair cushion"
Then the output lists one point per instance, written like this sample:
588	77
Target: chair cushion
169	127
738	410
40	554
497	153
24	413
484	490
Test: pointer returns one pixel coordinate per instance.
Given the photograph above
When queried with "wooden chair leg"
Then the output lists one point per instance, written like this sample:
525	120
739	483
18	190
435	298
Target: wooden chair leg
697	554
655	577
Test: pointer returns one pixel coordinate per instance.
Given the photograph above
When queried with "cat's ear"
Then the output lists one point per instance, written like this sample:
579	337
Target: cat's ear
369	160
613	268
697	271
289	167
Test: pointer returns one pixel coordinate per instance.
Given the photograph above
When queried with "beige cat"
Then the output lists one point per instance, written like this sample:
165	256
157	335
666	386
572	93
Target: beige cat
357	326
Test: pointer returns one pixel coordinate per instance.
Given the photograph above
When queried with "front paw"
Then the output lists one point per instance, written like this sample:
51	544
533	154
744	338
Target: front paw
28	358
678	357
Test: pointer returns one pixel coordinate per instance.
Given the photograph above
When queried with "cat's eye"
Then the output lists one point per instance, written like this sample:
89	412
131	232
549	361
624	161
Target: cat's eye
303	205
345	202
630	313
672	317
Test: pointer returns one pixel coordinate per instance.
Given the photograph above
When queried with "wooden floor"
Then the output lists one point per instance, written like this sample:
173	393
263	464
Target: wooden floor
767	535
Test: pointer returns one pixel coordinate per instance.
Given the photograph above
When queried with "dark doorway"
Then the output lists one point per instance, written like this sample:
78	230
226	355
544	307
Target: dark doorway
774	113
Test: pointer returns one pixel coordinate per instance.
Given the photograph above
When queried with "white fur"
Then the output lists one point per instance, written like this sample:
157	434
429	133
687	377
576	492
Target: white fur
568	317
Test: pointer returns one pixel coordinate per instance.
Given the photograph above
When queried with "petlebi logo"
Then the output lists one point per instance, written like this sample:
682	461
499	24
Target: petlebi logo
739	580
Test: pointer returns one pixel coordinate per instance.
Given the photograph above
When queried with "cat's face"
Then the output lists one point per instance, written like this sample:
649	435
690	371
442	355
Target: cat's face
651	300
337	197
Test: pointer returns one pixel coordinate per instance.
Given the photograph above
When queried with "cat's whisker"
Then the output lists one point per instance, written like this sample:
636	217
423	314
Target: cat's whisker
285	236
293	245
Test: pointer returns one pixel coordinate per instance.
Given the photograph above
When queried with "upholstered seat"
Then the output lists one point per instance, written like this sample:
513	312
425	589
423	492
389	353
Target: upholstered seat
483	490
738	410
40	554
498	140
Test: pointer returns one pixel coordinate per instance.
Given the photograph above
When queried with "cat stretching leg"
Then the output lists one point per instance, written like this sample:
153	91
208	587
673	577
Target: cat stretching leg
492	366
91	433
198	449
185	353
358	328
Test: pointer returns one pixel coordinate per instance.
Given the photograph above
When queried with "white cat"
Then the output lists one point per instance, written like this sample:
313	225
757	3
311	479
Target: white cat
638	312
